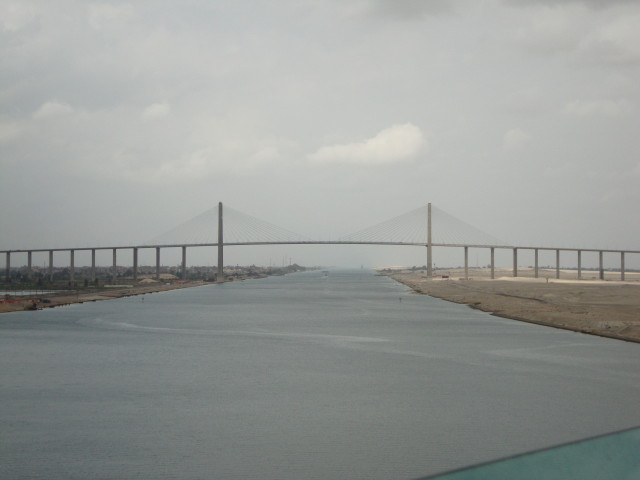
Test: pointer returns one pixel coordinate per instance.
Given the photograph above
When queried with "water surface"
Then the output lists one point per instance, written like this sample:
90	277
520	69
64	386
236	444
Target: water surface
302	376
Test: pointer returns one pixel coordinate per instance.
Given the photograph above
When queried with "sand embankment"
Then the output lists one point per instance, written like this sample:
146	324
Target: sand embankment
606	308
14	304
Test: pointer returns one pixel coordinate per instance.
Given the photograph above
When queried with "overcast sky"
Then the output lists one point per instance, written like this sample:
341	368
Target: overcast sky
119	120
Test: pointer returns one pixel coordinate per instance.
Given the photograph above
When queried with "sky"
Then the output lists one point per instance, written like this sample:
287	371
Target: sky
120	120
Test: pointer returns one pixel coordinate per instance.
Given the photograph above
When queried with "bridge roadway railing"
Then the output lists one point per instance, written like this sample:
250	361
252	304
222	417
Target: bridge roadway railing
184	247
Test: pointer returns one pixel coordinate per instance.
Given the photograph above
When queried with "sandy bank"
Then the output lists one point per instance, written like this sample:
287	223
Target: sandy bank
606	308
67	298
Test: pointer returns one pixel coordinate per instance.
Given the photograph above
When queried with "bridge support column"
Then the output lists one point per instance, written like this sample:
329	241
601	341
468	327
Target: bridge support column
429	244
622	266
579	264
220	272
114	273
157	263
135	264
557	263
515	262
51	265
93	264
29	264
535	268
72	267
466	263
601	264
8	267
493	263
184	262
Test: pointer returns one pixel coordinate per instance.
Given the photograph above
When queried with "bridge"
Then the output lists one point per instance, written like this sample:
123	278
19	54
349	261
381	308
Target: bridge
427	227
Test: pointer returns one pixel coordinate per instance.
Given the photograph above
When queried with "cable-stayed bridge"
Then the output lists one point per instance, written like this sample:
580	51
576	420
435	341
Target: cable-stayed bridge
426	226
238	228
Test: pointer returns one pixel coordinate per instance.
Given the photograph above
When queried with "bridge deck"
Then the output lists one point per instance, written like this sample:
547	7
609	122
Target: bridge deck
319	242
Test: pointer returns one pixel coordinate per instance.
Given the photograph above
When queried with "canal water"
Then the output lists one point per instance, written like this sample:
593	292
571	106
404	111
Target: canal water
345	376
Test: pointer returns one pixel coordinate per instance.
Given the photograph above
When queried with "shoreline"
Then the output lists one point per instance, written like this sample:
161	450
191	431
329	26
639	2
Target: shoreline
60	299
606	309
69	297
51	298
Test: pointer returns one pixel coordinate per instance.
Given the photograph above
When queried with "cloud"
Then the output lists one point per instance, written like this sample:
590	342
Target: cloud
607	108
527	101
105	15
515	140
15	16
588	3
195	165
557	28
397	143
403	9
237	157
156	111
8	131
52	108
618	40
594	36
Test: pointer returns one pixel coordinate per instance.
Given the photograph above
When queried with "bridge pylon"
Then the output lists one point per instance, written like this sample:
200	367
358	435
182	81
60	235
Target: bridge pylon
429	243
220	272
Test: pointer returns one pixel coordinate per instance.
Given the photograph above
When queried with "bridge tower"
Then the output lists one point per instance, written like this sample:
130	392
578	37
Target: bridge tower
429	243
220	273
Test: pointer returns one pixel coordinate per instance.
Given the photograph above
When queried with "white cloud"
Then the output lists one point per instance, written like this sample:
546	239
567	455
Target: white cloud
52	108
156	111
397	143
267	154
515	139
608	108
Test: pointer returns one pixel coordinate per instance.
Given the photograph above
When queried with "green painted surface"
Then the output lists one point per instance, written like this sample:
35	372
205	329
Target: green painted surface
614	456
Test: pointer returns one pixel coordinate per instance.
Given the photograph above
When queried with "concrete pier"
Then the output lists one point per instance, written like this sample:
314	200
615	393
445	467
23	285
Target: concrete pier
220	273
8	267
184	263
622	266
557	264
135	264
157	263
114	275
493	263
515	262
51	265
601	264
579	264
93	264
429	244
29	264
72	267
